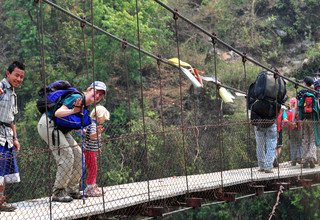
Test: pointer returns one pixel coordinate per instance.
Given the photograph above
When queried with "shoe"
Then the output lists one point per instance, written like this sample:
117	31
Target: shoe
60	195
77	195
305	165
312	165
5	207
293	163
275	163
268	171
299	160
94	191
261	170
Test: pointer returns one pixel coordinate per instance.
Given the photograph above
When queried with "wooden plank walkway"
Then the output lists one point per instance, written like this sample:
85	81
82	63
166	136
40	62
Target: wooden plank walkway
126	195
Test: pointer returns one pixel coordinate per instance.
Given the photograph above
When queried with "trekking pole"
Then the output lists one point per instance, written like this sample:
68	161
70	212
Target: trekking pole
82	157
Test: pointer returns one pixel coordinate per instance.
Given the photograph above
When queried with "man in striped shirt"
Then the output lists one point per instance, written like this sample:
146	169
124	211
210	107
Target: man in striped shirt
9	142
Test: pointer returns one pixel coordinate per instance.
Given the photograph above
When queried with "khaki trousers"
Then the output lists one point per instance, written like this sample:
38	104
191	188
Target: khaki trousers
68	157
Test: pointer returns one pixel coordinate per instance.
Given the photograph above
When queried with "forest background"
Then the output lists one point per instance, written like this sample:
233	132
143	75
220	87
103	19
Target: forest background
282	34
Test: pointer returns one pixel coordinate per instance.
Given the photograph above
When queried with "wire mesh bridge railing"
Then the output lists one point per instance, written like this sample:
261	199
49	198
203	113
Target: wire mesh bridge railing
211	167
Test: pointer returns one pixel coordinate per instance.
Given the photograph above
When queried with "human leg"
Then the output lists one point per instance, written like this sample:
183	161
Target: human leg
293	152
260	146
309	147
92	189
309	154
74	180
63	156
91	163
271	143
6	173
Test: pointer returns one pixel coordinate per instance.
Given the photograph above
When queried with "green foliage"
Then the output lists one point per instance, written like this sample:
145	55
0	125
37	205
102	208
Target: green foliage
314	51
234	75
27	128
120	19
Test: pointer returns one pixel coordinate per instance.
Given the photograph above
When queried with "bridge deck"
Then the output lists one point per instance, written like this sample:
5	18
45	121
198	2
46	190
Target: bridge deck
126	195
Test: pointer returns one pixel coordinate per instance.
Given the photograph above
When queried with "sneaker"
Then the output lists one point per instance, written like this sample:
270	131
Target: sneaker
60	195
305	165
261	170
293	163
312	165
94	191
76	195
275	163
5	207
268	171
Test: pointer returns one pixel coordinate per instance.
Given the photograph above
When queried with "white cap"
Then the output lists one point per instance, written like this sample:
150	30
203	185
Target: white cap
98	85
100	112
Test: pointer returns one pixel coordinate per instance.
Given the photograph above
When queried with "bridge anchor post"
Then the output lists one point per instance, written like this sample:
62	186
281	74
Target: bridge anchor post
229	196
193	202
259	189
155	211
306	183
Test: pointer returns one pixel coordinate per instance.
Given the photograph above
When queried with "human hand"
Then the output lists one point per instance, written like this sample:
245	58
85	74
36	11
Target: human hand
77	106
100	129
16	144
1	91
292	125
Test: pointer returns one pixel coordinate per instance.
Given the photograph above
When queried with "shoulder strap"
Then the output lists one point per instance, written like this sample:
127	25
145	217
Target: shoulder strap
3	85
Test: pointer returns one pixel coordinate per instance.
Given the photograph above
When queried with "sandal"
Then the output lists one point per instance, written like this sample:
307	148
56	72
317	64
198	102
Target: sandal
94	191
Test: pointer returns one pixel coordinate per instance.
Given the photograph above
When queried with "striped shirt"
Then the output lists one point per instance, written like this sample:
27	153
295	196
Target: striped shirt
92	144
8	108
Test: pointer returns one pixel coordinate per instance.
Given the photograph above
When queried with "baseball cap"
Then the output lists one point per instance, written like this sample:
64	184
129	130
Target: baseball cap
98	85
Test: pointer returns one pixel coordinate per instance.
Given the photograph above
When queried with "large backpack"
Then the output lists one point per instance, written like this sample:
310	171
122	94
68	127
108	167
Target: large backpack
270	88
56	93
308	106
265	97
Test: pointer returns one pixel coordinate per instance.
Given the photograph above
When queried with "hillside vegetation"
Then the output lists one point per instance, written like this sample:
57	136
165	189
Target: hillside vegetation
280	33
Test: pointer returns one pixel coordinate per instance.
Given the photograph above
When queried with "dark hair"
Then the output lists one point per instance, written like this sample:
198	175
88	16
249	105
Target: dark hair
308	80
15	64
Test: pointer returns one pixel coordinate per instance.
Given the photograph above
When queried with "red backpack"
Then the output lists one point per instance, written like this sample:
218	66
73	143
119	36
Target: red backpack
307	105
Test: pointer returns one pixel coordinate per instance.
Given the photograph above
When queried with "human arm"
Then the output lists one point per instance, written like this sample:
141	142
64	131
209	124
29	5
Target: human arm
284	117
96	132
69	107
1	89
16	142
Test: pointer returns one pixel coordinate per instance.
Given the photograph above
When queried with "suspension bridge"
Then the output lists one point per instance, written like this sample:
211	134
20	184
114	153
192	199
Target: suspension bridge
152	198
196	161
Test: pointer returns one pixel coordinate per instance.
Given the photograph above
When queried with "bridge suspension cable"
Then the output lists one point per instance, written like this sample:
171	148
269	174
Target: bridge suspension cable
215	38
84	21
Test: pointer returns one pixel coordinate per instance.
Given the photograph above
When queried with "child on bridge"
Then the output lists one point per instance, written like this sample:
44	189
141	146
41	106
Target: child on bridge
93	142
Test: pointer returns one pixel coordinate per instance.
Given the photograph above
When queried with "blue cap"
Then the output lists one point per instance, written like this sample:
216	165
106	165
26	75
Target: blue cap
98	85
